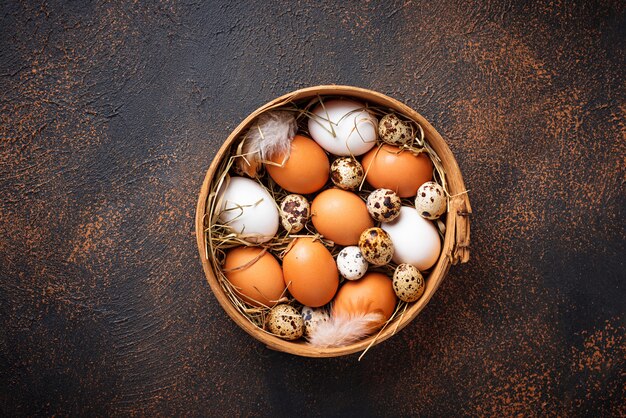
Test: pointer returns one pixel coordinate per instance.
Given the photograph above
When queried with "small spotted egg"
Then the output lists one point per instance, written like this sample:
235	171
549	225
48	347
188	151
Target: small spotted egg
285	322
408	283
294	212
346	173
394	131
431	201
376	246
383	205
312	318
351	263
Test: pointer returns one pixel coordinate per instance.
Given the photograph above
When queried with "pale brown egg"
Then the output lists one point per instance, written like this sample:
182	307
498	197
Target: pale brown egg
310	272
255	274
371	294
403	172
340	216
305	171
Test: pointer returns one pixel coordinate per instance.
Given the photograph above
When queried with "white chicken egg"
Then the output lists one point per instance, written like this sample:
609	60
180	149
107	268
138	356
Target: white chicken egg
343	127
249	210
351	264
415	239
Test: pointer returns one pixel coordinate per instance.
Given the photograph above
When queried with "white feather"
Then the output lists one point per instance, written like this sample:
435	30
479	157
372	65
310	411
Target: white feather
345	329
268	137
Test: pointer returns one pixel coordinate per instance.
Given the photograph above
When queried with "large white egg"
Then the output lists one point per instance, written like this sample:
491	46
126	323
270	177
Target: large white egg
415	239
343	127
249	210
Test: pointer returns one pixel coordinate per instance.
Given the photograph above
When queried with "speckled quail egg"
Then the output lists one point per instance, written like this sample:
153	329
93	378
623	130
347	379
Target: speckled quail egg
351	263
294	212
312	318
408	283
346	173
285	322
376	246
383	205
431	201
394	131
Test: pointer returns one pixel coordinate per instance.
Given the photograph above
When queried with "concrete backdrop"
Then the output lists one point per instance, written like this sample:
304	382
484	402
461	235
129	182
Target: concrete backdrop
110	114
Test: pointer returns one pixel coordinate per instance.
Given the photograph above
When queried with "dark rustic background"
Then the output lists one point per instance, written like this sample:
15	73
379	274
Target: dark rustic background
110	114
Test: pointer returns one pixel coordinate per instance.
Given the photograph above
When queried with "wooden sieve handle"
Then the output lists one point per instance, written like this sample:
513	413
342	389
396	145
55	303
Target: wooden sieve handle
461	210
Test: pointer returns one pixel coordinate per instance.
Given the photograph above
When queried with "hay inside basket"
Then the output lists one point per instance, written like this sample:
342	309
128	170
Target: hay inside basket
218	238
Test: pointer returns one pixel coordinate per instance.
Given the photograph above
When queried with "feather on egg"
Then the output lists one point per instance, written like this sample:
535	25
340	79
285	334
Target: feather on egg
359	309
269	136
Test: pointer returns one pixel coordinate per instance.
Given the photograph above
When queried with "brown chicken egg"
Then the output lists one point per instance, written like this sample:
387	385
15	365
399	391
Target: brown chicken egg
371	294
255	274
388	167
310	272
305	171
340	216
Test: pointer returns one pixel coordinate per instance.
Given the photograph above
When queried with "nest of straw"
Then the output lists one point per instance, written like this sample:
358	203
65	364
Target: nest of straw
219	238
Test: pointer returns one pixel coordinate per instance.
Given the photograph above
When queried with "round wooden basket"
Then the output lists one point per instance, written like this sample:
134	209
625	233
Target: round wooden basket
455	247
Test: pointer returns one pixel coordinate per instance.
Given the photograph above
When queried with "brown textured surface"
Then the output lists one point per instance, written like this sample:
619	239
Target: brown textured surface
111	112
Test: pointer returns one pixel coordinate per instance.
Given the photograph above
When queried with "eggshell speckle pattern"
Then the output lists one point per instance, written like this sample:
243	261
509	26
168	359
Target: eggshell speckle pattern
351	264
383	205
346	173
430	201
376	246
408	283
312	317
394	131
294	212
285	322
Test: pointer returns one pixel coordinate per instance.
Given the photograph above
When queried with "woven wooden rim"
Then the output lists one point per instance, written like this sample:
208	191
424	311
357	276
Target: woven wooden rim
455	247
